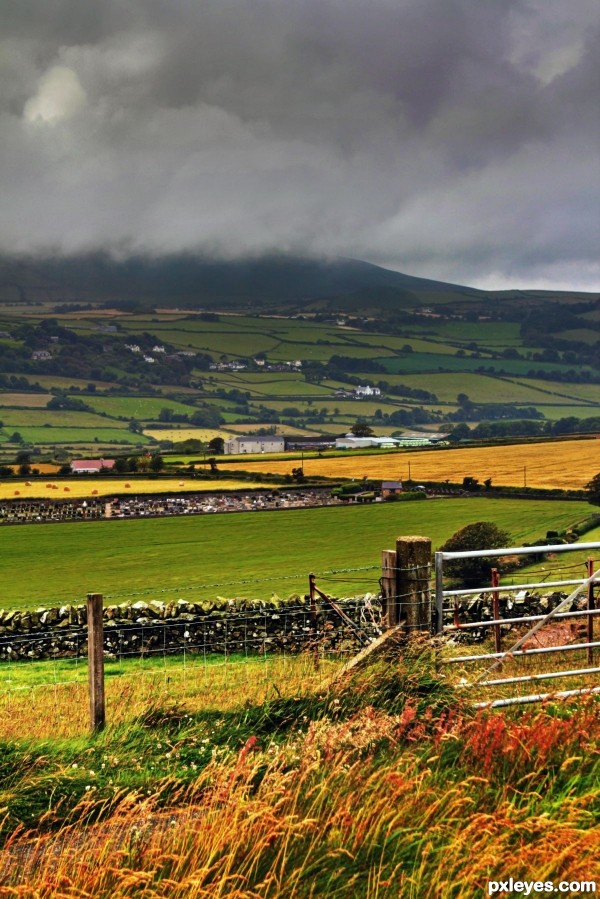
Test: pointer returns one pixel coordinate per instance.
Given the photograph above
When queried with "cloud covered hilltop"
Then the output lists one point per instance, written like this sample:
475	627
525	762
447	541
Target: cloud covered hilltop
453	140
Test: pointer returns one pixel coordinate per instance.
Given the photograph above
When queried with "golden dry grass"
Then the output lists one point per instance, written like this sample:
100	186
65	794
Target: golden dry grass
73	488
568	464
25	400
179	434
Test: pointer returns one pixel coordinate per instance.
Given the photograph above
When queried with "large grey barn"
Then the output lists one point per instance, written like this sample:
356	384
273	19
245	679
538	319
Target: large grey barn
253	444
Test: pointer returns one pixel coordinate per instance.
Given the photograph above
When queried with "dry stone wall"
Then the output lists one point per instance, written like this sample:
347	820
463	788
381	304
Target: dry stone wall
221	626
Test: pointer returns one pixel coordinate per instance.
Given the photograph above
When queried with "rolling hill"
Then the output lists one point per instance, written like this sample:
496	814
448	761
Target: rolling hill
285	283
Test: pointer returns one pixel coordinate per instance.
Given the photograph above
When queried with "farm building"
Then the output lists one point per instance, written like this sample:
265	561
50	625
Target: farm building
315	442
91	466
352	442
390	488
238	445
367	390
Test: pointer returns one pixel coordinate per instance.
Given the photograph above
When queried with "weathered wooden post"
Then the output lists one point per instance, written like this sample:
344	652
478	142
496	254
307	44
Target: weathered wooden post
95	625
389	602
413	563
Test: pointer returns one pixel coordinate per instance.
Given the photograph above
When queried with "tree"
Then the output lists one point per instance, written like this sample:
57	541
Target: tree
593	489
480	535
361	429
217	445
156	463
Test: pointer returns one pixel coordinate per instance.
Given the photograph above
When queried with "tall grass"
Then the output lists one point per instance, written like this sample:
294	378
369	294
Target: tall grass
379	784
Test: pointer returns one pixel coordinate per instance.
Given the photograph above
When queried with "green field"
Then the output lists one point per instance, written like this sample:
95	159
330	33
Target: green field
64	418
273	551
49	435
432	362
144	408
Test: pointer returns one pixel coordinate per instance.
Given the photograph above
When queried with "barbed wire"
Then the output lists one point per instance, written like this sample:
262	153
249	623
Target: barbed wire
240	582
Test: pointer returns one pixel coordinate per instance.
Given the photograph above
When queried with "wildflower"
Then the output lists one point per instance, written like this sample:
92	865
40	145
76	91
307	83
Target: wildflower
74	765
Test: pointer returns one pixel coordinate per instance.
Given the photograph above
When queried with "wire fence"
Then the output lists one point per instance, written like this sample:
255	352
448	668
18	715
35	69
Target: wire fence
56	656
166	640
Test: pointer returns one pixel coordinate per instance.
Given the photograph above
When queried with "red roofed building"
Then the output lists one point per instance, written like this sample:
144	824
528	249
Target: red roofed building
91	466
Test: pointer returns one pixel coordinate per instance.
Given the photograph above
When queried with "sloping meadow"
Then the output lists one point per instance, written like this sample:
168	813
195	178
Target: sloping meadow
376	783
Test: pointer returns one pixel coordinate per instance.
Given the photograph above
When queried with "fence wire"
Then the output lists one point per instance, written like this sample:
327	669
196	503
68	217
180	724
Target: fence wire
58	657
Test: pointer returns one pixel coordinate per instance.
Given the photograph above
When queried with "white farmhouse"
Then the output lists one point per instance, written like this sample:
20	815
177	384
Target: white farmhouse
367	390
254	444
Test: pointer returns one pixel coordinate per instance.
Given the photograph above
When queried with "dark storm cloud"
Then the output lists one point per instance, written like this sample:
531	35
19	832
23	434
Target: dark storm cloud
449	138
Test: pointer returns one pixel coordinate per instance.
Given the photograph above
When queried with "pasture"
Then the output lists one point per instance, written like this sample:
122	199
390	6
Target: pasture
141	407
90	437
251	555
568	464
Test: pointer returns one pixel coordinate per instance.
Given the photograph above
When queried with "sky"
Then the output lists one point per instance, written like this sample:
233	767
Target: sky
449	139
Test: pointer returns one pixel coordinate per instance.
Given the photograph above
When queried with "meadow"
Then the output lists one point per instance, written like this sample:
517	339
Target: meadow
378	784
274	551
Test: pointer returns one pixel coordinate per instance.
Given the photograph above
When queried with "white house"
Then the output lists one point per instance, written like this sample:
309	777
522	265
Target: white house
253	444
367	390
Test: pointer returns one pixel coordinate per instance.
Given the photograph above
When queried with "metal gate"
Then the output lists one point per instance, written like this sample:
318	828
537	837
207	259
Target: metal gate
555	639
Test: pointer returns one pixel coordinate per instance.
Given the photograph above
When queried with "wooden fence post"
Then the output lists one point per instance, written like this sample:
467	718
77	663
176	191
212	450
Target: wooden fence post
413	563
389	610
95	625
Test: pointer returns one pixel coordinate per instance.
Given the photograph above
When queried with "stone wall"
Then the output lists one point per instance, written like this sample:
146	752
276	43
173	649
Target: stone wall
221	626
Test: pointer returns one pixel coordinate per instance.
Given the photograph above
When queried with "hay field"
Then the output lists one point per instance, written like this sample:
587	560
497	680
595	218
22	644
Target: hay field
74	488
25	400
568	464
179	434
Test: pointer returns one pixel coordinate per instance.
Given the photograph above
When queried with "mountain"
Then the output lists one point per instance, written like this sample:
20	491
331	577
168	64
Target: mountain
275	283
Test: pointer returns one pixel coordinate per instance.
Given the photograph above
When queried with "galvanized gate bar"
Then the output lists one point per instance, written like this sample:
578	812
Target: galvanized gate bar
514	588
524	678
491	621
500	656
536	697
516	551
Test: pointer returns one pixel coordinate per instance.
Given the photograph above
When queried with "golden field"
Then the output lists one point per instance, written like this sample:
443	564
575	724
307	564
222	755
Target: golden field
179	434
568	464
75	488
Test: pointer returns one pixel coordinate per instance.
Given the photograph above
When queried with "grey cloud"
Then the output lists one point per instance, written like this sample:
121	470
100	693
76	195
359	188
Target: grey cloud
449	138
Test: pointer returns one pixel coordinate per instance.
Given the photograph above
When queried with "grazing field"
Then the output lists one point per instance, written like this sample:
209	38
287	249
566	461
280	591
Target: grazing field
568	464
142	407
61	418
49	435
433	362
251	555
